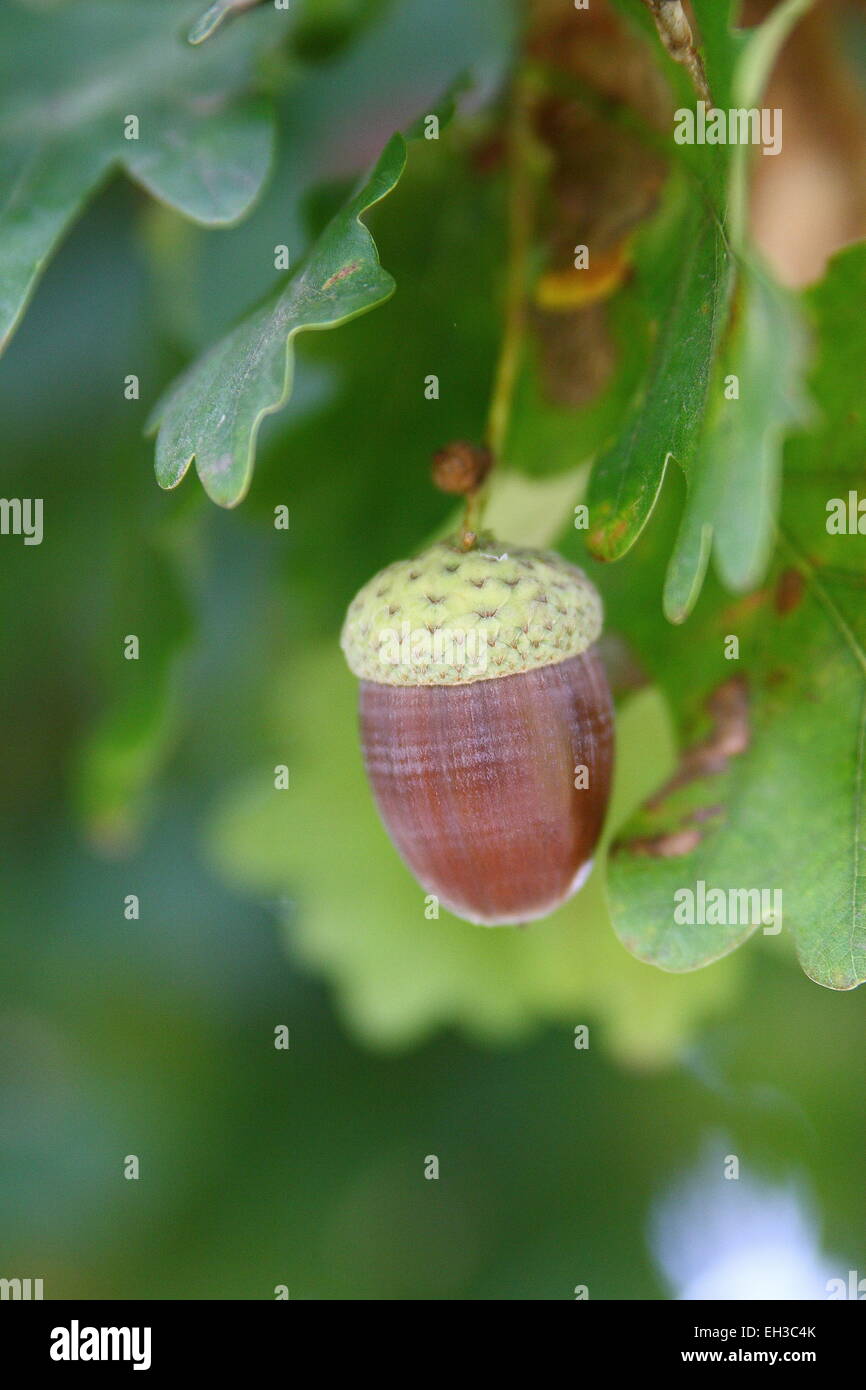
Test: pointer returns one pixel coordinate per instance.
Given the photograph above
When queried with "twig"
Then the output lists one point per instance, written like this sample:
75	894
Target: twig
520	223
675	33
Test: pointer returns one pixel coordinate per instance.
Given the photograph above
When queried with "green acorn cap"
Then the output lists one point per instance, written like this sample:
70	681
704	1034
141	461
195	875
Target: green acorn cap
450	616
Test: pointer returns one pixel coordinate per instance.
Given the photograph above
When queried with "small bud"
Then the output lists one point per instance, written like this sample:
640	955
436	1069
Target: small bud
461	468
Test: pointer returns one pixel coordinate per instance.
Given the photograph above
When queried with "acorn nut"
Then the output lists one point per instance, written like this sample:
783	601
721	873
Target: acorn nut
486	723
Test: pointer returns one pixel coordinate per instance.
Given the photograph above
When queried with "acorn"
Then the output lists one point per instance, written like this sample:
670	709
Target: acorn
486	723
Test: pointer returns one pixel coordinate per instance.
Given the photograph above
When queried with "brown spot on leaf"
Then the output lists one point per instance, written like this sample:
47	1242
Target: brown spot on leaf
728	707
789	590
605	538
742	609
342	274
668	846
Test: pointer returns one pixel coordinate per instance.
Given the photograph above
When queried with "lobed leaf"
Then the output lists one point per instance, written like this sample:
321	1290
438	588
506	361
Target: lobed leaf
716	315
213	412
734	479
685	272
775	797
203	145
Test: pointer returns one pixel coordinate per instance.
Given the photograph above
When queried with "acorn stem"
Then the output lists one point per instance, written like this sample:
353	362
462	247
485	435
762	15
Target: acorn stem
472	518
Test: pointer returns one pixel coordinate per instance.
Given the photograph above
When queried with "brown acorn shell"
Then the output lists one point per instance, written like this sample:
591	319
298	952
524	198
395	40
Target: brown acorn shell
476	784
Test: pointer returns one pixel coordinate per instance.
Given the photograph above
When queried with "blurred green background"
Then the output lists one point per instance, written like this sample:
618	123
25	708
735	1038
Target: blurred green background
558	1167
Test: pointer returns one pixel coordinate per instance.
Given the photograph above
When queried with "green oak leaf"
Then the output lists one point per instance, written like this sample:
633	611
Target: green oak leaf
204	141
735	480
716	314
771	791
213	412
683	265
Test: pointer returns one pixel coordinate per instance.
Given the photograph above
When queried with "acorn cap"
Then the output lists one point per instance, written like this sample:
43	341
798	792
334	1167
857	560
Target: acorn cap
450	616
